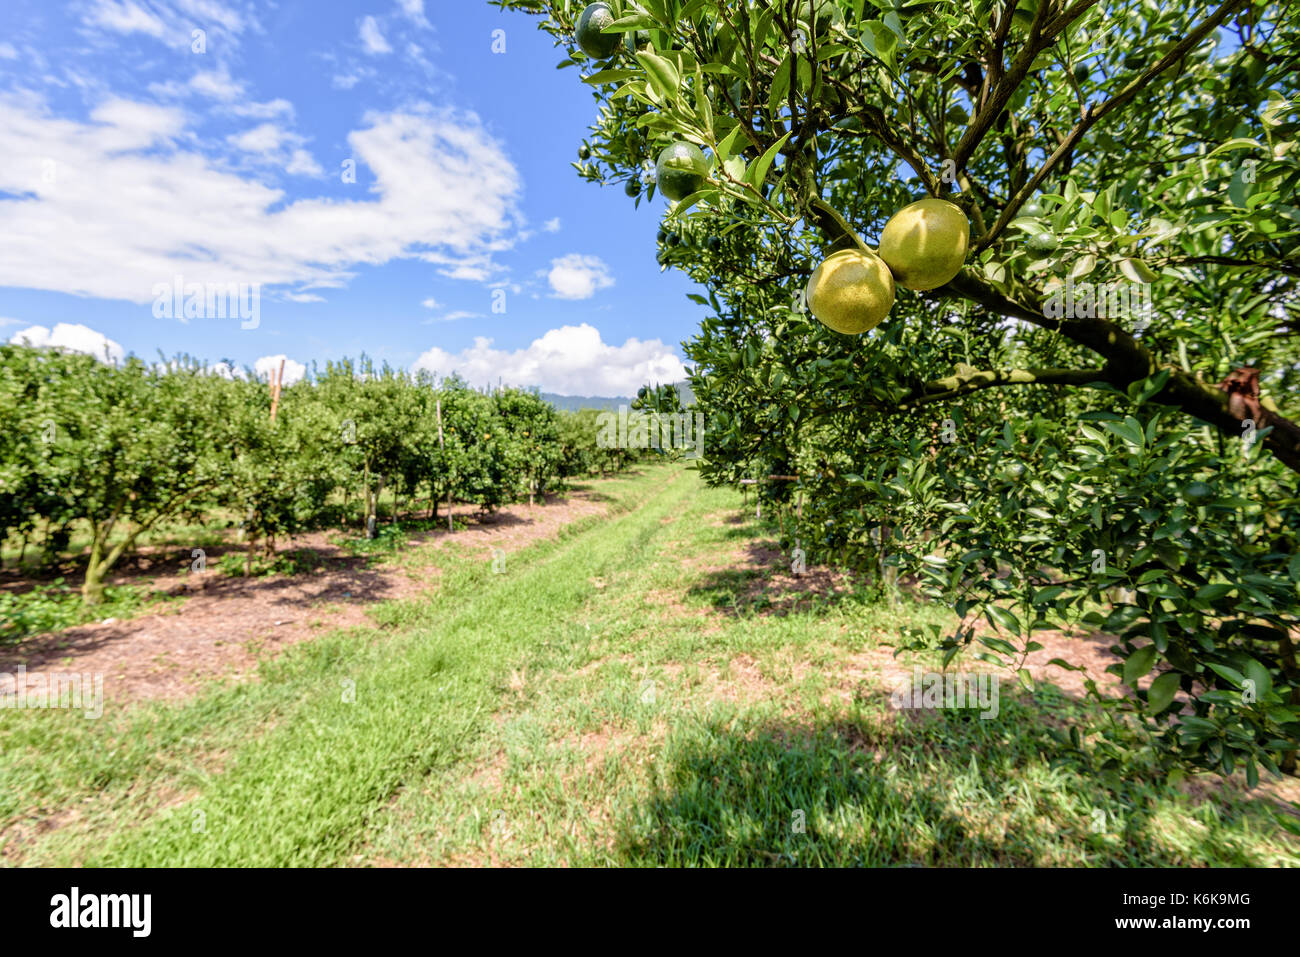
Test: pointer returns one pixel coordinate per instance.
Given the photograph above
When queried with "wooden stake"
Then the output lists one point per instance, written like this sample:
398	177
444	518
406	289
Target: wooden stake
277	381
442	448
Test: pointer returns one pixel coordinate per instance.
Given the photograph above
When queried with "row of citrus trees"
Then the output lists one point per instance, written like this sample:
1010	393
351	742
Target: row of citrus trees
113	451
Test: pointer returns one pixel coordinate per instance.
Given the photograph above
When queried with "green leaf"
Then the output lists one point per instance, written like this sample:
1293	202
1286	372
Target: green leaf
1213	592
724	149
758	172
1237	143
1084	266
1138	664
1137	271
1129	430
1232	675
663	75
998	644
1003	619
610	76
634	21
780	85
1257	673
1162	691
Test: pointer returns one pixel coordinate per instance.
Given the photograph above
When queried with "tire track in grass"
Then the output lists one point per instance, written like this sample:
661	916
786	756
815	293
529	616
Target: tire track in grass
304	794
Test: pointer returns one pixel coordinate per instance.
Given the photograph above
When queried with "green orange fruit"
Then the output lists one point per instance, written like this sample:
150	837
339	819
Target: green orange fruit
591	21
851	291
925	243
681	170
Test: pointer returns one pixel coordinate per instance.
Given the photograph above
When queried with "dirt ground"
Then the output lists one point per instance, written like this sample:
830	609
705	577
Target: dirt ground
224	626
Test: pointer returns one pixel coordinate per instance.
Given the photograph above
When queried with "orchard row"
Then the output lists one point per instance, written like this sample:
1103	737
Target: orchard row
106	453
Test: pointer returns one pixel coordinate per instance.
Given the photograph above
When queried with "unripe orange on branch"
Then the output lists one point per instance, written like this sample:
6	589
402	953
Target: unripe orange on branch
925	243
851	291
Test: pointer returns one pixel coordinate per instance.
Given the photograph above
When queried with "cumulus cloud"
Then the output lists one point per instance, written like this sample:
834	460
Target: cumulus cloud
268	366
552	225
71	336
93	206
372	40
578	277
571	360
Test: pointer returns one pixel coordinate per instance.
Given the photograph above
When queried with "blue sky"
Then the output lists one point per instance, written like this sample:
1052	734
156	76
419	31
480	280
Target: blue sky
132	159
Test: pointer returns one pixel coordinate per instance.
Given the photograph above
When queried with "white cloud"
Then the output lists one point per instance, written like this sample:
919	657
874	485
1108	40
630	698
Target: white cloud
125	17
216	84
414	11
552	225
571	360
7	321
429	303
348	81
371	39
303	297
8	52
267	366
303	163
263	111
171	22
453	316
578	277
106	223
226	370
71	336
263	139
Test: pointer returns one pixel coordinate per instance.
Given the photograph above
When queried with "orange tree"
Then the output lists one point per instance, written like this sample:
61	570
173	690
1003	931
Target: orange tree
1028	453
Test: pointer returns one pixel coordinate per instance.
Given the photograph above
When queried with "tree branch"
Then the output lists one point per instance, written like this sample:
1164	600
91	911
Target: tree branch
1128	361
1094	115
953	386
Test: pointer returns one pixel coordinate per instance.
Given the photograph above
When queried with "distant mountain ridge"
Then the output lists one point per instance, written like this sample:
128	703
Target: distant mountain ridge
573	403
604	403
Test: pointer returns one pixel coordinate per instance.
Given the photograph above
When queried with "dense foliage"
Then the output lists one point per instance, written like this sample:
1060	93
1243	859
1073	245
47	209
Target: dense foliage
1034	466
113	451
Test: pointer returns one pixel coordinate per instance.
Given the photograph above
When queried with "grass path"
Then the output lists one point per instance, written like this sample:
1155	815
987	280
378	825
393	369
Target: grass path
605	700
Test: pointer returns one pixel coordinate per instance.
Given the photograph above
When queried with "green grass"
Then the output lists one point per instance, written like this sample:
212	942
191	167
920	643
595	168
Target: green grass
611	699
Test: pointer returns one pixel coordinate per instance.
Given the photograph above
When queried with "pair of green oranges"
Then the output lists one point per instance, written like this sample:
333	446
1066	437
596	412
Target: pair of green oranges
922	247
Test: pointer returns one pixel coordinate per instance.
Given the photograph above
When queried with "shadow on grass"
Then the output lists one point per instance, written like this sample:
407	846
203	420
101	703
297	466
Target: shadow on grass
765	584
888	789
